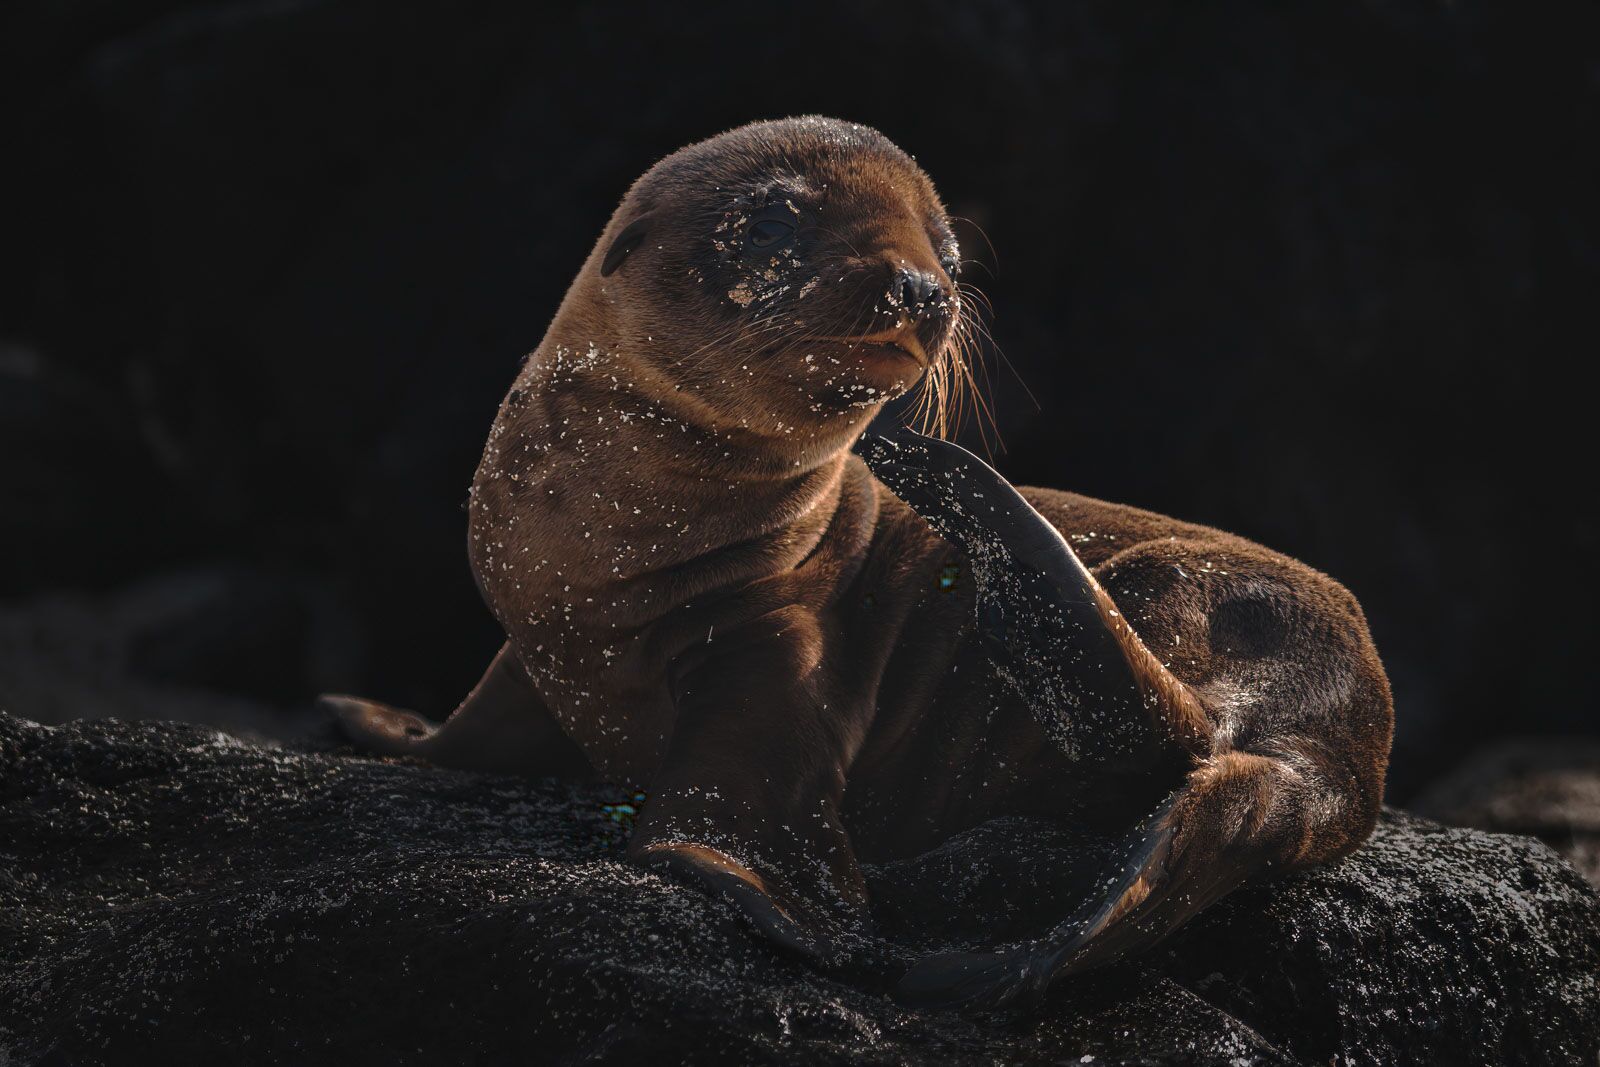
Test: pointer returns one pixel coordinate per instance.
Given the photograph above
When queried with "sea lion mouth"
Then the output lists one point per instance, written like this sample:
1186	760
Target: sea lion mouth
897	343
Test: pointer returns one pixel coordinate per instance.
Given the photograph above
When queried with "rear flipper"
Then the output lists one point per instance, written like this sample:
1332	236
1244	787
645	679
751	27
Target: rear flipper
1055	636
1050	629
1238	815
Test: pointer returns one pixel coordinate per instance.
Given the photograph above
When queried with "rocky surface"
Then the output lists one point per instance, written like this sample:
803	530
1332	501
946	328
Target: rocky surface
168	890
229	647
1545	787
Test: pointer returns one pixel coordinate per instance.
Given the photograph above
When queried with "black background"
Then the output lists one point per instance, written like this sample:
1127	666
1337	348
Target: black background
1319	274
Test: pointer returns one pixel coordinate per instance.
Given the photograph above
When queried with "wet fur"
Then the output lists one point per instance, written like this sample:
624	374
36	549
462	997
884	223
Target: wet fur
706	594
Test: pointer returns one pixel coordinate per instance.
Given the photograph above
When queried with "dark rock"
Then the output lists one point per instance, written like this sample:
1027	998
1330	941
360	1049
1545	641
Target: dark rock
1302	271
228	646
1545	787
166	891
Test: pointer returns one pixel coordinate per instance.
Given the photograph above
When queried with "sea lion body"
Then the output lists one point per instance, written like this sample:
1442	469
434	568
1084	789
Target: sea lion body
708	595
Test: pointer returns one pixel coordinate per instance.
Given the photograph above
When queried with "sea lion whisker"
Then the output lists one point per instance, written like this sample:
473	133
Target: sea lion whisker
972	291
841	238
988	336
729	334
981	233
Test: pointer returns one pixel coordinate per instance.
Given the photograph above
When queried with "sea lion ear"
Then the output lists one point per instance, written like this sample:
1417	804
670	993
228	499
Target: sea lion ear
626	242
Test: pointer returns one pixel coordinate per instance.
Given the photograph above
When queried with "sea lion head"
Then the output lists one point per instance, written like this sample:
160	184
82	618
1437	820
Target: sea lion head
787	277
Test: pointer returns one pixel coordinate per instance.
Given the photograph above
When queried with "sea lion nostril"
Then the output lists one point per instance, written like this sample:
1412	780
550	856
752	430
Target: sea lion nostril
916	292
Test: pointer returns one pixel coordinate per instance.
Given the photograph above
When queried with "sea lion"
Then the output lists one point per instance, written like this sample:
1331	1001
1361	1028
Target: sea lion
707	593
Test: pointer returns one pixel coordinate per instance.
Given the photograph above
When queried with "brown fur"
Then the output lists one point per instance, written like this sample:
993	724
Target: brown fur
711	597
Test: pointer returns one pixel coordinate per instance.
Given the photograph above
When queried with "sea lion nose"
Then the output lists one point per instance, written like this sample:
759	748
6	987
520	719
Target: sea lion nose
918	293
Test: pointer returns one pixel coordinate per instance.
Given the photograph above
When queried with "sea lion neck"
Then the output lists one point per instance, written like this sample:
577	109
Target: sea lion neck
612	482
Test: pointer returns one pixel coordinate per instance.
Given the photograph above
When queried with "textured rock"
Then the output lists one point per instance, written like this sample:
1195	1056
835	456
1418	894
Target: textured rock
227	647
165	889
1545	787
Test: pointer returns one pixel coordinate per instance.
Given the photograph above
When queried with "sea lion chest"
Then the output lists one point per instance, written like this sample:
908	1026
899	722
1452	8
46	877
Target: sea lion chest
627	582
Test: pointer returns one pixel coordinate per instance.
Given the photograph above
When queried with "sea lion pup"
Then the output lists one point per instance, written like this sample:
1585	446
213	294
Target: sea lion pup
705	592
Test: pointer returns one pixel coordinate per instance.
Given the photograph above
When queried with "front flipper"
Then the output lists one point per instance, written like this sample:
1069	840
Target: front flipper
501	726
1052	632
789	927
747	799
1238	815
803	892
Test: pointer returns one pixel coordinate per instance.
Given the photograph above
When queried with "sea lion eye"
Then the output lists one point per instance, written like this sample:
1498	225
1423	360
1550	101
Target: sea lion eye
765	233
